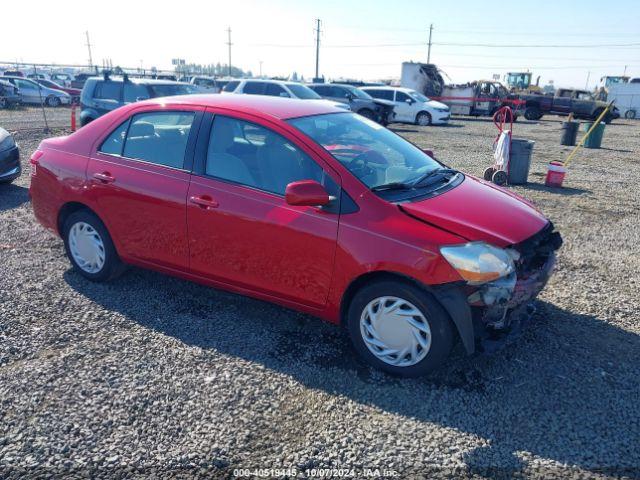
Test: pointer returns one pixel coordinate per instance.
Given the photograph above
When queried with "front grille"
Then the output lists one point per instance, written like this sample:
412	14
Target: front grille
536	250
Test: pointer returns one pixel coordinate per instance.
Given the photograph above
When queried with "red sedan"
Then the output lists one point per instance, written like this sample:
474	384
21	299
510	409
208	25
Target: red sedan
301	204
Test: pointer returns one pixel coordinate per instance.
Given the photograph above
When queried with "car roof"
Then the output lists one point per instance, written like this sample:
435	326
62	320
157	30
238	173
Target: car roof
387	87
259	105
139	81
269	80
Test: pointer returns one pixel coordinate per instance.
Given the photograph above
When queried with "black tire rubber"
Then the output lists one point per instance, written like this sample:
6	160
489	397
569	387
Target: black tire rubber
365	112
533	113
442	333
488	173
499	177
423	114
630	114
3	103
85	121
113	266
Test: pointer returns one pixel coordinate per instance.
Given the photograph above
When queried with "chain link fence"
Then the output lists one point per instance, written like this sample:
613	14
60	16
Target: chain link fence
31	118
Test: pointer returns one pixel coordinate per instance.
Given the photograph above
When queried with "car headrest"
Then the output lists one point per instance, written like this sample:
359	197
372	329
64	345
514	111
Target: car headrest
141	129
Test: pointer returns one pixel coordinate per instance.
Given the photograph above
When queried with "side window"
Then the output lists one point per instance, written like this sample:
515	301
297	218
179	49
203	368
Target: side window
338	92
134	92
231	86
159	138
275	90
402	97
26	85
253	88
114	142
107	91
383	94
322	90
251	155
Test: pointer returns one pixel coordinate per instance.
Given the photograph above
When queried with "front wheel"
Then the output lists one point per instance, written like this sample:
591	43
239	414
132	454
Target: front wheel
53	101
90	248
399	328
423	119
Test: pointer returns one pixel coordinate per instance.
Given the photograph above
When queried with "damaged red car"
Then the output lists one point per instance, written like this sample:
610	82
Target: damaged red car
301	204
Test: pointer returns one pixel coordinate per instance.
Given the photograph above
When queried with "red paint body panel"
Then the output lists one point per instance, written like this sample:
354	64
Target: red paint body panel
253	242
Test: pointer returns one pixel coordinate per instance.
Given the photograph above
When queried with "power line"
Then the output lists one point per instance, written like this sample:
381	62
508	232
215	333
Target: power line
634	45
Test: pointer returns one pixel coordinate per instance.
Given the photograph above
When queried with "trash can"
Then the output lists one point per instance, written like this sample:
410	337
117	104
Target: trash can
595	139
520	161
569	133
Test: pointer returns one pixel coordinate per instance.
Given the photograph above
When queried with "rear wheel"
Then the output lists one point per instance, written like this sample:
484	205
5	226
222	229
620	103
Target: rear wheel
630	114
423	119
499	177
3	102
532	113
90	248
399	328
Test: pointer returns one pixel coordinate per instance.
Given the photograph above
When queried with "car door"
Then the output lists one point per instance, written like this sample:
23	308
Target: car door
562	102
29	90
138	177
404	107
241	230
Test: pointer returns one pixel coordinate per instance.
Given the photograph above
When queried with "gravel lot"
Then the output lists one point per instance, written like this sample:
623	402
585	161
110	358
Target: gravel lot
154	375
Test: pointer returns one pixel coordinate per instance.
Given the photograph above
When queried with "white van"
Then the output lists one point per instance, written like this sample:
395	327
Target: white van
411	106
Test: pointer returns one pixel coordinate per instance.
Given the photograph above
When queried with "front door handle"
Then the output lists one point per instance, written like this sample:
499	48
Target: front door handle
104	177
204	201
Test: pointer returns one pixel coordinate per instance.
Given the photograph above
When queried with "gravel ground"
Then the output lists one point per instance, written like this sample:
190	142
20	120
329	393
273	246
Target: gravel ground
154	375
26	118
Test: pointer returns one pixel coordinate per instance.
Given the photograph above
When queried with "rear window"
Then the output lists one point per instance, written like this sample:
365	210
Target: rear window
108	91
302	91
171	89
231	86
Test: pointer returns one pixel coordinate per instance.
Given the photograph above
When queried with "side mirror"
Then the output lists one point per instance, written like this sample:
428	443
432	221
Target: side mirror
409	101
285	95
307	193
349	96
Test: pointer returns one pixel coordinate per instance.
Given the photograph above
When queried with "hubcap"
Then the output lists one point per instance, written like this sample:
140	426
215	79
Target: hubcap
423	120
395	331
87	247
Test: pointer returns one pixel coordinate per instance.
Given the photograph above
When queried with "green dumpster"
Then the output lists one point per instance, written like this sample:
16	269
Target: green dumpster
595	139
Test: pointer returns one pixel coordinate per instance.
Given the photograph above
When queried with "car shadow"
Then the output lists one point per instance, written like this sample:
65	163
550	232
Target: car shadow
568	374
12	196
541	187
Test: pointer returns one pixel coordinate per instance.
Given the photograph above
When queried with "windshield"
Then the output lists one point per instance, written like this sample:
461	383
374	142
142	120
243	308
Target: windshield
302	91
170	89
418	96
375	155
356	92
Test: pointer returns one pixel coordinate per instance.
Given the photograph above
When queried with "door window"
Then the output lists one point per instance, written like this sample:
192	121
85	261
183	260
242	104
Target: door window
383	94
253	88
322	90
134	92
251	155
275	90
25	85
159	138
402	97
114	142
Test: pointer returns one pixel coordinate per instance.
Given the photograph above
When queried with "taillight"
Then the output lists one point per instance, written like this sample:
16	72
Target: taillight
33	161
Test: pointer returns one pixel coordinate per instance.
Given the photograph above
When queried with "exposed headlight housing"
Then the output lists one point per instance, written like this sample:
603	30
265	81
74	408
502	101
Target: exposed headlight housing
479	262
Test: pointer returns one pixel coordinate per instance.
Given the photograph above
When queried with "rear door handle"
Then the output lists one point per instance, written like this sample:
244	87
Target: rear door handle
204	201
104	177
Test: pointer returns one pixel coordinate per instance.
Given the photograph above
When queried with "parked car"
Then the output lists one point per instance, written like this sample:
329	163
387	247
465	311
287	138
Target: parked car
80	78
9	158
277	88
411	106
37	76
35	94
580	103
13	73
62	78
9	94
101	95
73	92
302	204
358	100
206	84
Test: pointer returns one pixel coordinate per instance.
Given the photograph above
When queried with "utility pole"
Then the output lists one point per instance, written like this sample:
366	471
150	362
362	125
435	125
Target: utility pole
229	45
260	68
625	71
429	51
317	48
89	48
586	85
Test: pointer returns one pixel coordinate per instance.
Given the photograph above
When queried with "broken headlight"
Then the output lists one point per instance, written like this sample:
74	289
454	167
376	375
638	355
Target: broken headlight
479	262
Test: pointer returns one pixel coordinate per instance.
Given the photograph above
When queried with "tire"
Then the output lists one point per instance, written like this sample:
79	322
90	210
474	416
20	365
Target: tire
532	113
53	101
440	336
3	103
499	177
365	112
85	121
630	114
488	173
111	266
423	119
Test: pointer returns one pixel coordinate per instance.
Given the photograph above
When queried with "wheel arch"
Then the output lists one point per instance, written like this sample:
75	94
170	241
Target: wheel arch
69	208
449	296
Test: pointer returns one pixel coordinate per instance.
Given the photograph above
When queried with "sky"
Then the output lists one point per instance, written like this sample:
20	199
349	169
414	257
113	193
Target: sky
569	42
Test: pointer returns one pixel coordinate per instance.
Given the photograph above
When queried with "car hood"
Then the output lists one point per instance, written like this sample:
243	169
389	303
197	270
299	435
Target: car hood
434	104
480	211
